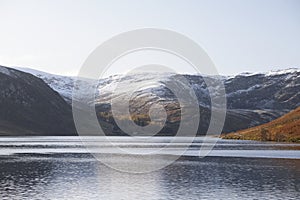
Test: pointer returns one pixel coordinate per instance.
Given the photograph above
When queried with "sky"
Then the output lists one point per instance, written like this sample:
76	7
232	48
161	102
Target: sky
57	36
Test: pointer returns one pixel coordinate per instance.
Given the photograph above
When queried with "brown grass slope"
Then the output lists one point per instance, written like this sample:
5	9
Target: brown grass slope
283	129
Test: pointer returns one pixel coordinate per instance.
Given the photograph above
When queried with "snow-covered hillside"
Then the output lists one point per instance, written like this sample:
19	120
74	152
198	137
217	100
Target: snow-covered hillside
271	90
252	98
62	84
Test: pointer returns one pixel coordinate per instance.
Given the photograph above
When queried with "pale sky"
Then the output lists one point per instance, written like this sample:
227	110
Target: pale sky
57	35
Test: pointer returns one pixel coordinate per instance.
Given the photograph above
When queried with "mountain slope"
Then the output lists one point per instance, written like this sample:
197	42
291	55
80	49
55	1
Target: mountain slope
62	84
275	90
30	107
252	99
285	128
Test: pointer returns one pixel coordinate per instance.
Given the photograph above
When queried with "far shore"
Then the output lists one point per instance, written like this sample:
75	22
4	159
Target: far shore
237	136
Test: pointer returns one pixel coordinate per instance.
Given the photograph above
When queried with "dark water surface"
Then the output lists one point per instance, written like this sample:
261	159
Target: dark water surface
30	170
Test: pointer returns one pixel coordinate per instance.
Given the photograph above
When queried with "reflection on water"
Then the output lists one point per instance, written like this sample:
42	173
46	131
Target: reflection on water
79	176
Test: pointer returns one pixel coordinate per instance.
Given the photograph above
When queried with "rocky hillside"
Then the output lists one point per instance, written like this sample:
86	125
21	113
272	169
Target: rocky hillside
283	129
30	107
275	90
252	99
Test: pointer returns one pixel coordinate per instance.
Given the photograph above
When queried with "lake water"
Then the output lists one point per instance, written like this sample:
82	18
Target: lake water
62	168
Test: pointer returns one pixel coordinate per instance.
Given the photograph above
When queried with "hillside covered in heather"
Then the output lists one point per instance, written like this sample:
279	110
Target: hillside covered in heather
283	129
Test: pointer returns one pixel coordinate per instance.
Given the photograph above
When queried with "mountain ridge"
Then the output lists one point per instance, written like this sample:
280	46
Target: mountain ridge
252	99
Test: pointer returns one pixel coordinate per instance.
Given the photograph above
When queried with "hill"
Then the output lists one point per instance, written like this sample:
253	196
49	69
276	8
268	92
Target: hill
252	98
28	106
283	129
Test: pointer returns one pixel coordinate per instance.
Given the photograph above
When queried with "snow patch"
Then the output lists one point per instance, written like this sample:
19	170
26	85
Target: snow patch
5	71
